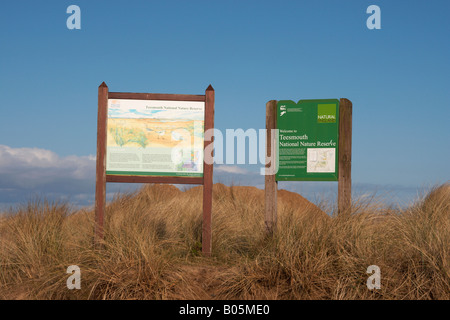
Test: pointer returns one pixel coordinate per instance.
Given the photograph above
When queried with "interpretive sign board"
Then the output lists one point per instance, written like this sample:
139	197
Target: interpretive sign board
308	140
313	143
154	138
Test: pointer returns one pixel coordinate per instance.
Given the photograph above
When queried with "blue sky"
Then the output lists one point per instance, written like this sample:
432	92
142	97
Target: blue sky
251	52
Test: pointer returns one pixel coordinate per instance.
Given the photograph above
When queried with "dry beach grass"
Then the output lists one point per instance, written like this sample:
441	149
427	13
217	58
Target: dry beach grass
153	243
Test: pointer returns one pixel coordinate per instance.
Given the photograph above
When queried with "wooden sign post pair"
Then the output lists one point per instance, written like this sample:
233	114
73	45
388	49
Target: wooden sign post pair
293	141
173	103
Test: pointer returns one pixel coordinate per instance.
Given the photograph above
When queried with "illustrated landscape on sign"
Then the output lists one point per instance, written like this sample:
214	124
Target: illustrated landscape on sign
146	132
153	137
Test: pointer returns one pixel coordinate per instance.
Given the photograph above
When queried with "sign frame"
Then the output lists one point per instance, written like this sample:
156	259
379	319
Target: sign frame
102	178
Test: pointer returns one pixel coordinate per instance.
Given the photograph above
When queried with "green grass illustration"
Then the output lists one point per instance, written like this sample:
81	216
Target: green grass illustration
122	136
140	138
119	134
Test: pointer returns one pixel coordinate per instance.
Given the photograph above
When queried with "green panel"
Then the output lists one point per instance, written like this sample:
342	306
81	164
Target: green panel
308	140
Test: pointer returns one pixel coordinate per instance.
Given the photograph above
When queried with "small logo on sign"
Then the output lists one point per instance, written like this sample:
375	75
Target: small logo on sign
326	113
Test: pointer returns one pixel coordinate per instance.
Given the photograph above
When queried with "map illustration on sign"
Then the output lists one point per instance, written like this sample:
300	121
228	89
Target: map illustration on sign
155	137
320	160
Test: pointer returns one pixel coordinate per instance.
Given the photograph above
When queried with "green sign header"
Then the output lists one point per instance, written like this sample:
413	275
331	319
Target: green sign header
308	140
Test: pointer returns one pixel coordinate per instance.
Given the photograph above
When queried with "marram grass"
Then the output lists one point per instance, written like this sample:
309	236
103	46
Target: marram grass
152	249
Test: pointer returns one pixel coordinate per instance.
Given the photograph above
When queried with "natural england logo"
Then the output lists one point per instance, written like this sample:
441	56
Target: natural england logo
326	113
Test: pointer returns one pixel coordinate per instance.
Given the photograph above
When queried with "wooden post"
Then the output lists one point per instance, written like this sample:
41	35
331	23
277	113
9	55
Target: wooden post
100	182
271	185
345	157
208	176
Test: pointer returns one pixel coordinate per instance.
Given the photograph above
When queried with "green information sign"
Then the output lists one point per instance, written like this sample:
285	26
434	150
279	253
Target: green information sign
308	140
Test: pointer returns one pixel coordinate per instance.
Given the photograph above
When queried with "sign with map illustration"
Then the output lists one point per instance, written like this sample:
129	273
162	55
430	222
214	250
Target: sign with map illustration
155	137
308	140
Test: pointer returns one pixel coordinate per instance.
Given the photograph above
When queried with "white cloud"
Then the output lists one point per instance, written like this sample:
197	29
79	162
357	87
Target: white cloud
33	166
19	157
230	169
27	172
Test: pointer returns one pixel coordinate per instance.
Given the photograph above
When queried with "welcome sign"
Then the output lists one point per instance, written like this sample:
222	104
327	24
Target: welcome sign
308	140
